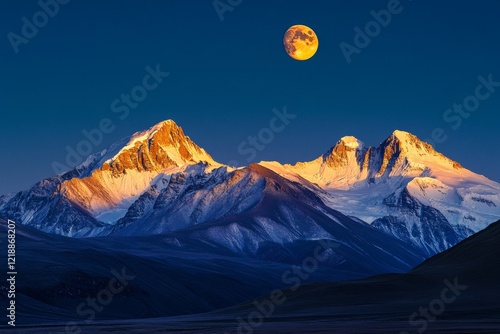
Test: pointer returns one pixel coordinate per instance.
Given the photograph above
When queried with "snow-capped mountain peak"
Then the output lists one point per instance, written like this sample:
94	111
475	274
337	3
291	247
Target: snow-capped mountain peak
348	150
408	146
402	184
162	146
125	172
351	141
398	159
404	144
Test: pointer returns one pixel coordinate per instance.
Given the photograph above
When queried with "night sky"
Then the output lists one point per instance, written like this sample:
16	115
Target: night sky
226	77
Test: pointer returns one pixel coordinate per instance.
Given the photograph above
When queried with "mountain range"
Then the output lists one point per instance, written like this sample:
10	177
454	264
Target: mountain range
159	181
356	228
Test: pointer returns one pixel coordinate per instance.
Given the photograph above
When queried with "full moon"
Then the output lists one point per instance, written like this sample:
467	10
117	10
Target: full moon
301	42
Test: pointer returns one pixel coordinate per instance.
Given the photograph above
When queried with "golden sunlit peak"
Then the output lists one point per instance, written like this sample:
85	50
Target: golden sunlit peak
168	122
300	42
400	133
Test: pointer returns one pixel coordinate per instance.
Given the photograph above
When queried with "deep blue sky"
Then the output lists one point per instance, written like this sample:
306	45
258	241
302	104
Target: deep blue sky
226	77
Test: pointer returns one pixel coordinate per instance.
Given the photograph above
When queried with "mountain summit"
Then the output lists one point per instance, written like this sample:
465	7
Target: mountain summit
404	187
348	149
162	146
352	164
126	174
